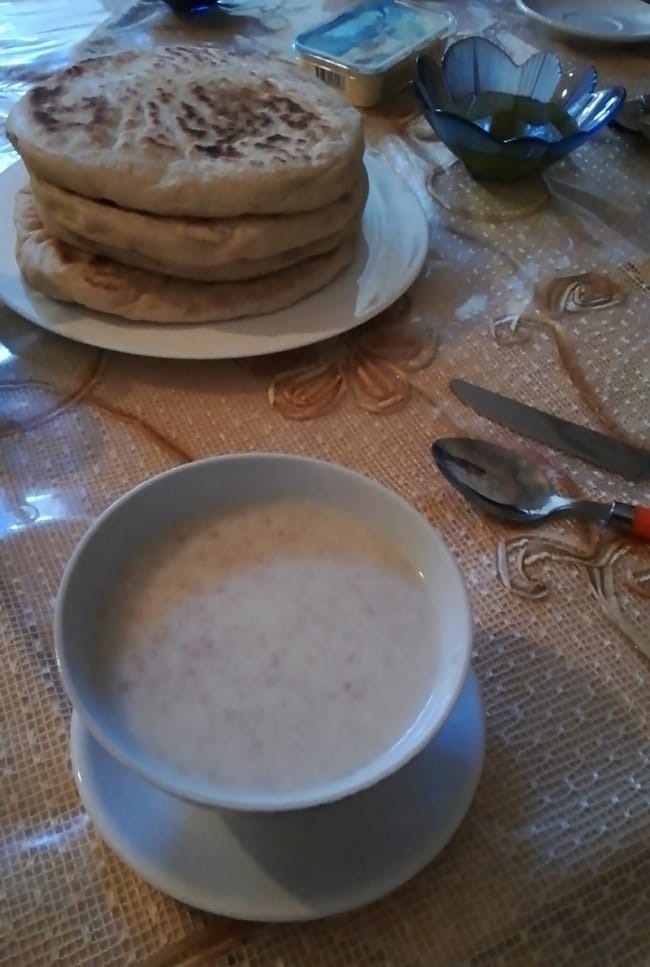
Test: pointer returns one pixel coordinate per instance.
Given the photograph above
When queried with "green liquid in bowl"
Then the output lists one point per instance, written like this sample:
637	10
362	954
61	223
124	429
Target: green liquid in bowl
507	116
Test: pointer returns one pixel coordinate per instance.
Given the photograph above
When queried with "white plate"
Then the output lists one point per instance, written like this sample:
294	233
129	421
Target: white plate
622	22
391	252
289	866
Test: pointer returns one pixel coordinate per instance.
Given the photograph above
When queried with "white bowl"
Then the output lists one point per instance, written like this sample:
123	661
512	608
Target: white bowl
219	484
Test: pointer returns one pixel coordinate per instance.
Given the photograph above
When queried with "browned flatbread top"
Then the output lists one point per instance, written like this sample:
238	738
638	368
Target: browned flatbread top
190	131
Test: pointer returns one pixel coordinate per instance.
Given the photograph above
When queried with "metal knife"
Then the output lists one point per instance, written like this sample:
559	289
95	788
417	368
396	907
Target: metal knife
628	461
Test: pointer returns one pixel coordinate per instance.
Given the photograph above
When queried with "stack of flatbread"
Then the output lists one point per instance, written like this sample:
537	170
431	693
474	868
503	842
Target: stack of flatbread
184	184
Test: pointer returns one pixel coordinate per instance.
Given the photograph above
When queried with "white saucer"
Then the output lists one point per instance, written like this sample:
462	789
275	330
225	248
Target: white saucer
623	22
392	248
289	866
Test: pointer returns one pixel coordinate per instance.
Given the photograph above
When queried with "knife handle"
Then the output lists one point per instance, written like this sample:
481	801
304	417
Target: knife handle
641	523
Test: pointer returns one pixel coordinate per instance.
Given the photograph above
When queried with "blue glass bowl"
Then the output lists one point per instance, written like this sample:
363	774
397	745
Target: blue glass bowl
506	121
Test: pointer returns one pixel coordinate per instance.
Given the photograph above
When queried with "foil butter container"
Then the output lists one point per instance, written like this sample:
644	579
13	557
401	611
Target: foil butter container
368	52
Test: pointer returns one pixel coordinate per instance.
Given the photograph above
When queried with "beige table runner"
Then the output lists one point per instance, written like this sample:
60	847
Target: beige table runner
541	292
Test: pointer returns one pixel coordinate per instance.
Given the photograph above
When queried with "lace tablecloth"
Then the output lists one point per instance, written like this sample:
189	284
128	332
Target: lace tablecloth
542	292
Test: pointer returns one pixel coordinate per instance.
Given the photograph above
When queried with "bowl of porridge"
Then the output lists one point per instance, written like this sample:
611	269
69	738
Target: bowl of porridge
262	632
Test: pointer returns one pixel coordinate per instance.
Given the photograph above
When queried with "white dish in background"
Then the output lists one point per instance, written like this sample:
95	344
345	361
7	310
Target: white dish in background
216	485
623	22
288	866
391	252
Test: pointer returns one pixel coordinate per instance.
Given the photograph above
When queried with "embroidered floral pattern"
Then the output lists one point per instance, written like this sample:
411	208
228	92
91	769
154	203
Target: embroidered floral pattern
374	364
520	566
579	293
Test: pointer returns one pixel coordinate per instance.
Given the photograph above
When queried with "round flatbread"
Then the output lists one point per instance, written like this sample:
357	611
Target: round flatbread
190	131
197	248
68	274
230	272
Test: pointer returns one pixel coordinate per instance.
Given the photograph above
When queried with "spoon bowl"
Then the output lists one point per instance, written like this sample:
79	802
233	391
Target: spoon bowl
508	486
501	483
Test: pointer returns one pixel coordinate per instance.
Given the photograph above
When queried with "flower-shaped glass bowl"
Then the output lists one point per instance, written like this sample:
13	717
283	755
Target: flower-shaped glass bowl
507	121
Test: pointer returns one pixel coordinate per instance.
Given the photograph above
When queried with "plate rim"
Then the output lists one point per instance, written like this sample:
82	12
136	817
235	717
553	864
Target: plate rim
296	911
562	28
416	224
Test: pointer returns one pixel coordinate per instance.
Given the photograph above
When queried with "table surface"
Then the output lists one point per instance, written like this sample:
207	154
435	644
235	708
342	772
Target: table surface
540	291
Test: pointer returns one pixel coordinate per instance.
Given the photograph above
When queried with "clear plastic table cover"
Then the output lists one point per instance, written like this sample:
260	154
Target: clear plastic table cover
540	291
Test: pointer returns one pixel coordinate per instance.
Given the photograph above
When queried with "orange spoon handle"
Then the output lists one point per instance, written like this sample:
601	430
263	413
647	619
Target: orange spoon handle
641	523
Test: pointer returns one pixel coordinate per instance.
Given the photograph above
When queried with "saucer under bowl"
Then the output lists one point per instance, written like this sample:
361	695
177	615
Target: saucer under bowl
293	866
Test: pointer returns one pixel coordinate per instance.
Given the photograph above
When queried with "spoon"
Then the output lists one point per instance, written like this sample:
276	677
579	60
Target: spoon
634	115
508	486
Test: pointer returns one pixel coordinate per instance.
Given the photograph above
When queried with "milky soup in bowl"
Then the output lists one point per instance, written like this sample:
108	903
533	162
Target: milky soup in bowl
281	638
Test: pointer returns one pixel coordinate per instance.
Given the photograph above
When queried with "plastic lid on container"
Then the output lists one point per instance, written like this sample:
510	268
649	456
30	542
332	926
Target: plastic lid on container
374	36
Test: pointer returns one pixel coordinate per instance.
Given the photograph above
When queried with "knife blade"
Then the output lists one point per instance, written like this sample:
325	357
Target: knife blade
630	462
